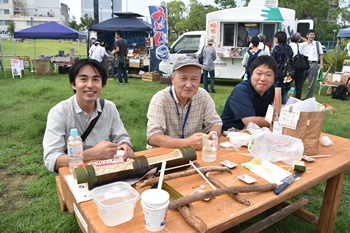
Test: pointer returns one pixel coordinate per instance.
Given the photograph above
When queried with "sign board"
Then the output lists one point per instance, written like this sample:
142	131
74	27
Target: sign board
16	68
213	32
346	66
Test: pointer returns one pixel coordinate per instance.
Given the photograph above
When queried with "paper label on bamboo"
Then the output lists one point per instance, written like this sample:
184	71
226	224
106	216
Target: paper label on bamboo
114	168
277	128
289	119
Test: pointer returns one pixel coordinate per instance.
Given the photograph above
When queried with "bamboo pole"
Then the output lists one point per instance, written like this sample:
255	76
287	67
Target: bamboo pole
154	180
219	184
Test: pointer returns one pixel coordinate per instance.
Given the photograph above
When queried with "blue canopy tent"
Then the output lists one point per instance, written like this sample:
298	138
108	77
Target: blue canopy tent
50	30
343	33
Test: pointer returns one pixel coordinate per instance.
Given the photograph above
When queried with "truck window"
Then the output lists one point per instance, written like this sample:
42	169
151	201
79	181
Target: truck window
229	32
303	28
187	44
253	29
269	32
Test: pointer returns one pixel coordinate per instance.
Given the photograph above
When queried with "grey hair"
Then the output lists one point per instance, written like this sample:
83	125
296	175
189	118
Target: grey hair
262	37
295	37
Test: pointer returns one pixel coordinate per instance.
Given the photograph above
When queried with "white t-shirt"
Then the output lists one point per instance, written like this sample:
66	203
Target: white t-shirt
310	50
348	48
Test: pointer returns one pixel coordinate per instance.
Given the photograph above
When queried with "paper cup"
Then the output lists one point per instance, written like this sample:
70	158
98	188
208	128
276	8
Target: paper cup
154	198
155	218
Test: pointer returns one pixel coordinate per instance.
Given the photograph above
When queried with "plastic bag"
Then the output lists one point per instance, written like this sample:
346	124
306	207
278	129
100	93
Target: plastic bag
276	147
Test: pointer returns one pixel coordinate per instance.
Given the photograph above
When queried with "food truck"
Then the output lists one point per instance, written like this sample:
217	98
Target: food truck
232	30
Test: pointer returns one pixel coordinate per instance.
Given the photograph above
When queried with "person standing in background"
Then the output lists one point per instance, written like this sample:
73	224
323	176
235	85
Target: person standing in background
313	50
348	48
262	44
209	56
299	75
279	53
120	52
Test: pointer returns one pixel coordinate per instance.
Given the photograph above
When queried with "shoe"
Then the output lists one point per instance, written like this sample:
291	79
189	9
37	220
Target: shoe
206	90
111	78
119	84
212	91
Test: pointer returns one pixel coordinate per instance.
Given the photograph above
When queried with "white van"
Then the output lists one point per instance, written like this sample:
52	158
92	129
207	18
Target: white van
232	30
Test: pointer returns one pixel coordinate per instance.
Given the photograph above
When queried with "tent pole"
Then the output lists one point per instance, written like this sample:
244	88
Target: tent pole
34	48
336	57
79	47
2	57
14	45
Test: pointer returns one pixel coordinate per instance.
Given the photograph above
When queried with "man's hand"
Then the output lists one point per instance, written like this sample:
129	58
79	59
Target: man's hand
127	149
196	141
103	150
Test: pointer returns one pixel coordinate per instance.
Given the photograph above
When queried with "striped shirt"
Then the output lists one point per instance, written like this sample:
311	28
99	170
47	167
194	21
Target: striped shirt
163	117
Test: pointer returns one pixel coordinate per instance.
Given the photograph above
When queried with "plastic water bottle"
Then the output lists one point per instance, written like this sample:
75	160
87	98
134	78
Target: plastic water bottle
75	149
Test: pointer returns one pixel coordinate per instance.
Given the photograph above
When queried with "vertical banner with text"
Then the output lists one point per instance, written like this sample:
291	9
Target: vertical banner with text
160	31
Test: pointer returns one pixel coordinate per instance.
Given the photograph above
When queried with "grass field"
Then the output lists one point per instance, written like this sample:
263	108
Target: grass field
28	199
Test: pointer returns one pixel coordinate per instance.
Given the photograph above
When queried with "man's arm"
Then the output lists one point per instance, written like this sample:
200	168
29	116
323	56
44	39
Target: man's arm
260	121
161	140
321	61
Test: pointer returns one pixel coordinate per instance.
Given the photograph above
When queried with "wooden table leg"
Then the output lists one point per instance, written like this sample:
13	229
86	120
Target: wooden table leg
60	194
330	203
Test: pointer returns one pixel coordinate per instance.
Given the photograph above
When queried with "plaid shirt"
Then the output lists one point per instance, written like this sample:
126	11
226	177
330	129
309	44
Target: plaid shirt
279	56
163	118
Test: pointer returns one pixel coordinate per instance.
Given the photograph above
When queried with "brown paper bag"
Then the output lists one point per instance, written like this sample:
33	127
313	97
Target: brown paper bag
308	130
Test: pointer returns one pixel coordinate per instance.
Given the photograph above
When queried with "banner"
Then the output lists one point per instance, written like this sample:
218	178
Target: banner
160	31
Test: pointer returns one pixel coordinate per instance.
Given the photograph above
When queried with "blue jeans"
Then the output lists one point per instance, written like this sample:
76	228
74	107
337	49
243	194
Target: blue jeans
122	70
212	79
284	91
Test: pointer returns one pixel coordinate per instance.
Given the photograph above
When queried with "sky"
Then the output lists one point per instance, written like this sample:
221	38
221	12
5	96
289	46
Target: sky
136	6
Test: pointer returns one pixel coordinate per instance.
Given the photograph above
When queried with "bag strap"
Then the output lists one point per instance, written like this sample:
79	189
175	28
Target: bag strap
93	122
298	48
347	81
318	50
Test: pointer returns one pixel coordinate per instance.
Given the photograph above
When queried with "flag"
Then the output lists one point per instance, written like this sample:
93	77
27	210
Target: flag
160	31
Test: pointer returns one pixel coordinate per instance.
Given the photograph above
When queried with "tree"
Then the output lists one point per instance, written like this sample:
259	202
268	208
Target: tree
225	4
11	27
176	16
73	24
311	9
86	22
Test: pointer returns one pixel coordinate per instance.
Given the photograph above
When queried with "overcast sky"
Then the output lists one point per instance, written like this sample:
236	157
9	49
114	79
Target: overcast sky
137	6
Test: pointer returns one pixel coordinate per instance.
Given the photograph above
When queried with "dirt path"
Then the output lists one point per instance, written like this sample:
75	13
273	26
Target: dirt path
14	197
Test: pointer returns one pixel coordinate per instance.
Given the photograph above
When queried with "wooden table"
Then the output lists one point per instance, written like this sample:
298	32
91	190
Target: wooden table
223	212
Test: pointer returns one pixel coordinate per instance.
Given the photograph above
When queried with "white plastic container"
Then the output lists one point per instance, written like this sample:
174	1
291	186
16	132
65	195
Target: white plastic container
115	202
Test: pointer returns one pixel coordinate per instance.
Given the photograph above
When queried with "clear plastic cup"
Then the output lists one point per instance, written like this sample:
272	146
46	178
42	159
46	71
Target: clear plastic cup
209	147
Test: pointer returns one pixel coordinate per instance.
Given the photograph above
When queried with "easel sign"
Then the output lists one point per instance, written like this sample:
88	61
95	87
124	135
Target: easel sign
346	66
16	68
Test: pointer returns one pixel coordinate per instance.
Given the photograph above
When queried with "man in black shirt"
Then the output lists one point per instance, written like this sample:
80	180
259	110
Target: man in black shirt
120	52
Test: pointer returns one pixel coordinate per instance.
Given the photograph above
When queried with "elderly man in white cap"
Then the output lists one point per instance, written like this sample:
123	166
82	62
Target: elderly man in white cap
178	115
209	56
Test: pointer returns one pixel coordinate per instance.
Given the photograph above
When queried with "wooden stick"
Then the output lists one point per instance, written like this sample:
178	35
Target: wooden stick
263	224
221	185
319	156
303	214
154	180
194	221
209	194
288	166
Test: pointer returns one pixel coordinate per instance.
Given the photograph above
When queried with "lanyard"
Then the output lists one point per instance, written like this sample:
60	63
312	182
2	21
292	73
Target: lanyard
178	113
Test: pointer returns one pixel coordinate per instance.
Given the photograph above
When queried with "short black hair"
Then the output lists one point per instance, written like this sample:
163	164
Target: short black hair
255	41
281	37
311	31
75	68
264	60
120	33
